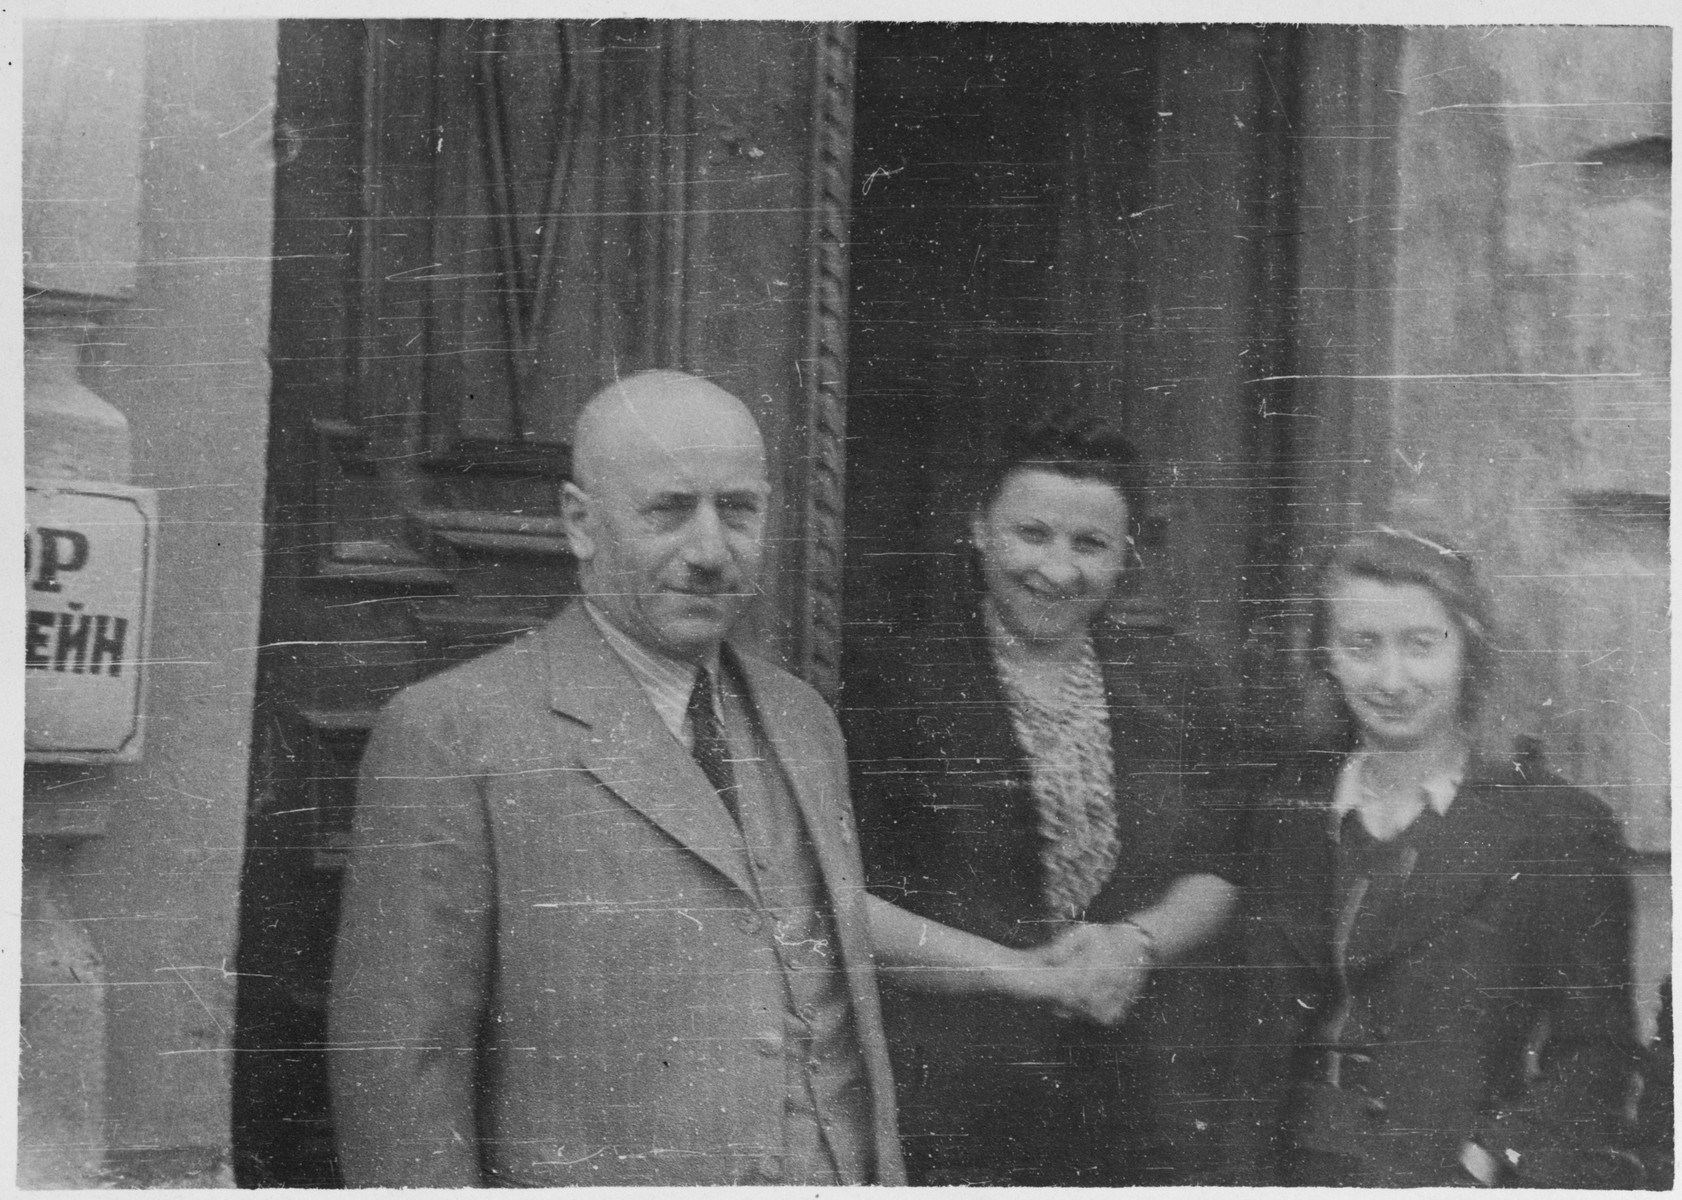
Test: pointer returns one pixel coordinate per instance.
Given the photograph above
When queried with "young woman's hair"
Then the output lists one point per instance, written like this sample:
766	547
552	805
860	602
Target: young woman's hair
1078	445
1400	556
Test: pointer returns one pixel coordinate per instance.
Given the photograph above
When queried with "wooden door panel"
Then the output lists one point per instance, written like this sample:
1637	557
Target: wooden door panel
478	224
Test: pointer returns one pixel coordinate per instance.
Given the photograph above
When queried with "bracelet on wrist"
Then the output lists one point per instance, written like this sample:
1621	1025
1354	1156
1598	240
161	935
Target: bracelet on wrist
1147	940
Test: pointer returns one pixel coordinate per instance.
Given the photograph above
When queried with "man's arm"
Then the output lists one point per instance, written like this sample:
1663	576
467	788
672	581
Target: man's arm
923	955
412	966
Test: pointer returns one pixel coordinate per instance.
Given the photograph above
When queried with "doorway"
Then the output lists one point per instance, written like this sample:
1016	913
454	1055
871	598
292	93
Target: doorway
1039	214
1061	215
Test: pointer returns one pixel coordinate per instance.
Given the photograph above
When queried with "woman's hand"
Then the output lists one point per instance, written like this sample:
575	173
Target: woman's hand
1093	972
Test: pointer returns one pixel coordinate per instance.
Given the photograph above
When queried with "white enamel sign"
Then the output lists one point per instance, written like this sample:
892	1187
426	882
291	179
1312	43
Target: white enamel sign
88	560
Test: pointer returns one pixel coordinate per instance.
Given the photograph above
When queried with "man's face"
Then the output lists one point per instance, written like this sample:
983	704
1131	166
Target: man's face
671	532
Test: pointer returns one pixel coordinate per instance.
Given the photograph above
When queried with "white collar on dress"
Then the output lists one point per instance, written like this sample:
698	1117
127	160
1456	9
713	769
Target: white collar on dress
1439	790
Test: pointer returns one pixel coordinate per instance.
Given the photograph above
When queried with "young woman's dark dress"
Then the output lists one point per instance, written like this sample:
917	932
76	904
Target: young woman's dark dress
1479	990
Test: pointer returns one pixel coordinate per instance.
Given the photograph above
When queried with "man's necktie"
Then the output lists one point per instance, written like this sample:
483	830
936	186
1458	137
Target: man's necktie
711	751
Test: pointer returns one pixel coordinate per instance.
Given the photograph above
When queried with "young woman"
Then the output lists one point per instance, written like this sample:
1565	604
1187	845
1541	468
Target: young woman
1438	937
1029	773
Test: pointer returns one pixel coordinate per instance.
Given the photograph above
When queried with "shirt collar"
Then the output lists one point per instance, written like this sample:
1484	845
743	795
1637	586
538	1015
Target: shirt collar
666	681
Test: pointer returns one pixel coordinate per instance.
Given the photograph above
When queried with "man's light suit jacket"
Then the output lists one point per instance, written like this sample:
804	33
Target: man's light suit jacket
551	968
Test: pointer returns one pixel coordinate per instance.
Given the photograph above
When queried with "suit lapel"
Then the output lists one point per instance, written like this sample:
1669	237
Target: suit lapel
972	711
1148	778
806	763
1307	910
629	750
992	827
810	765
1300	867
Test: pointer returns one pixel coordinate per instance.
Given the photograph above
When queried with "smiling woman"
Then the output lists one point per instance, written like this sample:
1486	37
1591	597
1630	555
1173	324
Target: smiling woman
1052	549
1028	772
1397	658
1438	938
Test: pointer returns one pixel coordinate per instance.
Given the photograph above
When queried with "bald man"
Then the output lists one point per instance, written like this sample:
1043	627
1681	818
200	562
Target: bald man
603	920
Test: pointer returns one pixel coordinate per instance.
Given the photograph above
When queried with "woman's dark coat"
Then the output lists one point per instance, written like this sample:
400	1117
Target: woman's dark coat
993	1091
1491	984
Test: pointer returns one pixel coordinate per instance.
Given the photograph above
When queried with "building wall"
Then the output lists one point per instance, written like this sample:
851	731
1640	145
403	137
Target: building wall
1530	414
1532	316
145	858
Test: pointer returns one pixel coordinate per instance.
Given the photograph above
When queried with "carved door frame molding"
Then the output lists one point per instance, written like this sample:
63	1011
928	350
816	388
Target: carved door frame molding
817	655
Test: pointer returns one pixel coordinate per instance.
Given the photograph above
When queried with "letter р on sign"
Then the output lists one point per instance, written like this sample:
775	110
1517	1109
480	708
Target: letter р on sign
88	561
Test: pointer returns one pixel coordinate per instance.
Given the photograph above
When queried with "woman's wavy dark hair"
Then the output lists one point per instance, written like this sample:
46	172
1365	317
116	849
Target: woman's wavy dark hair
1077	444
1400	556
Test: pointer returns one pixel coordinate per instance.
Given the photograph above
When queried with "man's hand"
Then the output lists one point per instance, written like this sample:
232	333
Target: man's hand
1090	972
1094	972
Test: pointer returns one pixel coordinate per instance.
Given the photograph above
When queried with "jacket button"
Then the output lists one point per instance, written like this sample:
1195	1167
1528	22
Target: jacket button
749	922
